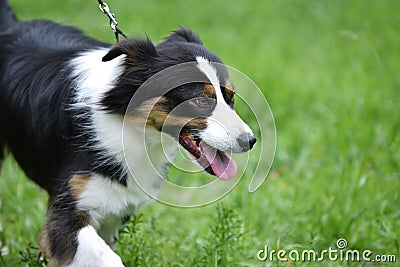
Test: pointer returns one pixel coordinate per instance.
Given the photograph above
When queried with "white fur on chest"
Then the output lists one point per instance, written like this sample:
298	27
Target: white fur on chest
145	160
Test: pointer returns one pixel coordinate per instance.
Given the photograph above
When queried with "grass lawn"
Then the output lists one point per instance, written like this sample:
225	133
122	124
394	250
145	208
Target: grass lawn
330	71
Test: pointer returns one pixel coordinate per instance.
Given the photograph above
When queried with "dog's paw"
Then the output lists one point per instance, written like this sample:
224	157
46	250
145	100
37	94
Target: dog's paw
99	258
93	251
110	259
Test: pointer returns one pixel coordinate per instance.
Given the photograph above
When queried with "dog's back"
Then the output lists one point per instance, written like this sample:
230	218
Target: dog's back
7	16
33	66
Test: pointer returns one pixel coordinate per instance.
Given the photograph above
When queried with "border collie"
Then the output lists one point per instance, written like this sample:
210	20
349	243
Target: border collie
63	100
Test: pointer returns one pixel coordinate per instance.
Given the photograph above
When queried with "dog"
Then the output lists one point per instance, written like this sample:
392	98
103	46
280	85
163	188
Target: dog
64	100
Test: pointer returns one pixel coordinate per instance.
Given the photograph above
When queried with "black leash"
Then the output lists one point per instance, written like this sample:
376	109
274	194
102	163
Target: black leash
113	21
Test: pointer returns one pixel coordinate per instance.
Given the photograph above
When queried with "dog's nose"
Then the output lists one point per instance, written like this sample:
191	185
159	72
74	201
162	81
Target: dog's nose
246	141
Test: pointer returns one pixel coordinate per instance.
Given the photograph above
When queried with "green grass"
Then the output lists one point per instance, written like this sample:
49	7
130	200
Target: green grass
330	71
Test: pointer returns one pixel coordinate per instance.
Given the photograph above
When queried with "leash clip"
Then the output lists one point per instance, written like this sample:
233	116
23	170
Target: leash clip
113	21
106	10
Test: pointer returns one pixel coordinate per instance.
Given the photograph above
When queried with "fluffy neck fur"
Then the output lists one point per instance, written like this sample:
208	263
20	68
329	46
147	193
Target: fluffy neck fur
142	152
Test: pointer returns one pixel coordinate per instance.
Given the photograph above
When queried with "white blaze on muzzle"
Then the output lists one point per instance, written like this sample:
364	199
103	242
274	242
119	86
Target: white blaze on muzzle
225	130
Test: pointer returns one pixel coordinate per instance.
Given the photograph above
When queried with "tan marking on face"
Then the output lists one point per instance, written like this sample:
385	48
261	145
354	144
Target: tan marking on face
160	118
230	92
197	123
77	184
155	114
151	112
209	91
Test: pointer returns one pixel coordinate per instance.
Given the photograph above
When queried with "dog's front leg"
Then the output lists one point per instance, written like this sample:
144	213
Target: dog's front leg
69	240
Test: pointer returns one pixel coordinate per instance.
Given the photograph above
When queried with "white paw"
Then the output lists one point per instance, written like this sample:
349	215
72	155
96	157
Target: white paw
93	251
110	259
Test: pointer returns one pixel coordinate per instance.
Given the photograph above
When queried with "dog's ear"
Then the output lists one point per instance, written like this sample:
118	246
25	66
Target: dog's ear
137	50
114	52
184	35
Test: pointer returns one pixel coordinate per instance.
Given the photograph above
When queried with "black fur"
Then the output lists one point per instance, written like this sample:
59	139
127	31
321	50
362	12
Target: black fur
183	35
7	16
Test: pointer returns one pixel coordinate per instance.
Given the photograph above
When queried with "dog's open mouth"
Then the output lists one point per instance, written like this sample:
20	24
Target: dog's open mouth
214	161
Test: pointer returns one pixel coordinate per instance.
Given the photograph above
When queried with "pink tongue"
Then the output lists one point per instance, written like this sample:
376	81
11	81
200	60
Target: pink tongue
223	166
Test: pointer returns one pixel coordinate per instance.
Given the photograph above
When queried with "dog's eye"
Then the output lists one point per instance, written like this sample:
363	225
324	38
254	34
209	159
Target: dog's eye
202	101
202	106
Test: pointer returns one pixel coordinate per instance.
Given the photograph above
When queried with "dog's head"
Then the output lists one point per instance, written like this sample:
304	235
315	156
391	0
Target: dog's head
197	111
